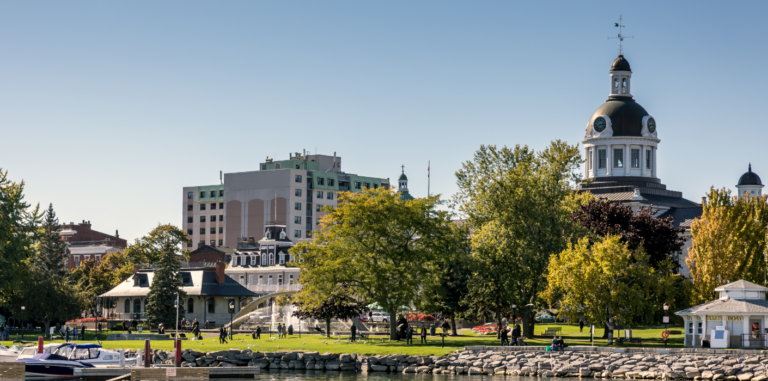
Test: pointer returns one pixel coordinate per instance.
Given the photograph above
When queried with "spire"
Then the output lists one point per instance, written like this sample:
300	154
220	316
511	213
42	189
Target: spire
750	167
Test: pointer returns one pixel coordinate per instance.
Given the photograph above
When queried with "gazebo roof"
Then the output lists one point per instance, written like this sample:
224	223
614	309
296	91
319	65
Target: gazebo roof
728	306
741	285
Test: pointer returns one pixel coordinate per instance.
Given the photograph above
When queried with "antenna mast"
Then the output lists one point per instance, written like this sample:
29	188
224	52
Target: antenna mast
621	36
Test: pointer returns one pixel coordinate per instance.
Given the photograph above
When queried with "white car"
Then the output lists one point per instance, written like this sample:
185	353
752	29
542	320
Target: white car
380	317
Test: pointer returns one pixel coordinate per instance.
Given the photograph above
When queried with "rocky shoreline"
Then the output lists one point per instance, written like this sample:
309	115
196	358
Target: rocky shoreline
636	363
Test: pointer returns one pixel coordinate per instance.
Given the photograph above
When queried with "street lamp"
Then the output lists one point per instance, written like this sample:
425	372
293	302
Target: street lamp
22	321
231	312
666	321
513	312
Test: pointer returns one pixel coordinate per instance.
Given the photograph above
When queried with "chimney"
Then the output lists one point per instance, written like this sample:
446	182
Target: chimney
136	268
117	235
220	277
704	201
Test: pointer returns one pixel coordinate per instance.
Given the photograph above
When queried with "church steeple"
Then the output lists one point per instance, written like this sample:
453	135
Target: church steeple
402	186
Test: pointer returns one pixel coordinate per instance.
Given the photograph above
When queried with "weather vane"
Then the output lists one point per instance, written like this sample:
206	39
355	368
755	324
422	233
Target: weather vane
620	37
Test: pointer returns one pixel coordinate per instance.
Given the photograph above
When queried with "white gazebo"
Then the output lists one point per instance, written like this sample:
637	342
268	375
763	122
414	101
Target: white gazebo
737	319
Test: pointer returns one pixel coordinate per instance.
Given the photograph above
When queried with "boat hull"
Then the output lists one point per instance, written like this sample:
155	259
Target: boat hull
43	372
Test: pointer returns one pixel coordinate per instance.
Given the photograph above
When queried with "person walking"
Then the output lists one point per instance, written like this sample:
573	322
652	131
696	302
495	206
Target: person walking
354	331
82	331
124	328
515	334
279	330
409	335
423	334
581	325
258	333
504	340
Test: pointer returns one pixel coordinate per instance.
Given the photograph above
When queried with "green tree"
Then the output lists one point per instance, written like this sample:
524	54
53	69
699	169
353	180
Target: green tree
51	257
604	282
728	242
518	203
18	232
378	245
446	287
151	248
339	305
164	243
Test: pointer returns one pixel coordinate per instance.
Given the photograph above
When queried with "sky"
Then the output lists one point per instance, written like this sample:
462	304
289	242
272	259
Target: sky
108	109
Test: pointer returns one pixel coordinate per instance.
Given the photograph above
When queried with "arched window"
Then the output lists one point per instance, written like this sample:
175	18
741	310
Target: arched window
191	305
263	260
211	306
136	305
624	85
615	85
271	259
282	259
127	305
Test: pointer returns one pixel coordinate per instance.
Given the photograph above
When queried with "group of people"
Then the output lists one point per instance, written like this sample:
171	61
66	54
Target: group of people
558	344
75	333
223	333
517	337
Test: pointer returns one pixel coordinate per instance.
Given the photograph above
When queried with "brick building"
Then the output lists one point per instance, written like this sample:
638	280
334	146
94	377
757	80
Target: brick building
86	243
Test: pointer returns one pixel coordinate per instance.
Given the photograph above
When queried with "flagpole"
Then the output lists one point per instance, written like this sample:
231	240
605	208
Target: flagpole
429	178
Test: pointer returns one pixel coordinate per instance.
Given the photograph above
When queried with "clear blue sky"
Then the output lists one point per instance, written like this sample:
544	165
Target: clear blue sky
107	109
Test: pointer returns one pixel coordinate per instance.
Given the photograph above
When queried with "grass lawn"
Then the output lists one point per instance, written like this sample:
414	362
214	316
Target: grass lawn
651	338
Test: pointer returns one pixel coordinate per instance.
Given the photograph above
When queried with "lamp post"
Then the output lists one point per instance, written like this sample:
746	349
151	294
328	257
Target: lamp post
231	312
666	321
22	321
177	317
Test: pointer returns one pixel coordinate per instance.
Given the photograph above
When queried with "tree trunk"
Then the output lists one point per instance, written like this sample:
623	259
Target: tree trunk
46	329
392	325
453	324
605	330
328	328
525	316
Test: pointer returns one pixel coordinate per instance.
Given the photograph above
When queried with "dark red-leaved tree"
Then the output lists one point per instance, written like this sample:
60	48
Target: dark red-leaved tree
659	236
335	307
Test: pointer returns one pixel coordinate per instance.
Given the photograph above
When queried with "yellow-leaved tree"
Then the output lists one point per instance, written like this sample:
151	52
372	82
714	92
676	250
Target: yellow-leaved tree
729	242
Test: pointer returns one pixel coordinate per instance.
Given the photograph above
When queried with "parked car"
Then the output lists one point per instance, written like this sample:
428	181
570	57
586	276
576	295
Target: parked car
544	319
363	318
380	317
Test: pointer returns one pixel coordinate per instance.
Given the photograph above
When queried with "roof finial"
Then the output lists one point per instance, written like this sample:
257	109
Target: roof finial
750	167
620	37
403	166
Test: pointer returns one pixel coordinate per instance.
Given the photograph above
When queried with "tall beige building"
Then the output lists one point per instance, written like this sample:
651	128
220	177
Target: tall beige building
288	192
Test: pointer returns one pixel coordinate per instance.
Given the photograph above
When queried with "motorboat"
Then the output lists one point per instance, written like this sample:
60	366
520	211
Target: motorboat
60	360
10	354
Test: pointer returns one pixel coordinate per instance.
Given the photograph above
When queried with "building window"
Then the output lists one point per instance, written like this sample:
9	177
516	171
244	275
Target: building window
279	280
290	277
269	279
190	305
77	260
271	260
213	230
297	192
202	194
296	220
330	195
618	158
330	182
297	206
297	178
221	242
213	242
589	160
202	230
320	181
202	206
242	280
136	305
318	207
357	185
263	260
221	217
221	193
261	279
282	259
635	158
250	280
367	185
601	158
189	244
202	218
221	205
253	263
320	194
189	231
189	208
190	195
213	206
221	230
213	218
648	159
211	306
127	306
242	260
213	193
297	233
189	220
309	234
317	221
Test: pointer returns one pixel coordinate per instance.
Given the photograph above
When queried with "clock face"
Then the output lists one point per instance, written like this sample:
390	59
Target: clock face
651	125
599	124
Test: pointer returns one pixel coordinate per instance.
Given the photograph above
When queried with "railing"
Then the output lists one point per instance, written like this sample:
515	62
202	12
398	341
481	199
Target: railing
754	340
262	288
128	316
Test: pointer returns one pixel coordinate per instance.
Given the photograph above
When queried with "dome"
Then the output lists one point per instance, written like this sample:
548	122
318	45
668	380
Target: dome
626	116
620	64
750	178
402	177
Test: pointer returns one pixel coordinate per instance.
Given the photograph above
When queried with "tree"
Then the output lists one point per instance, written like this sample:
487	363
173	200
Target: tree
518	204
18	231
445	289
604	282
378	245
337	306
728	242
659	237
166	284
48	294
150	249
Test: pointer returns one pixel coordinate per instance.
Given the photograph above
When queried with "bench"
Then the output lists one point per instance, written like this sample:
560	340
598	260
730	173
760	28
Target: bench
552	331
622	340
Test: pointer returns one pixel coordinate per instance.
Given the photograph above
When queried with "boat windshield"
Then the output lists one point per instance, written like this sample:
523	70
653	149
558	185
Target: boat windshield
16	347
85	353
63	351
